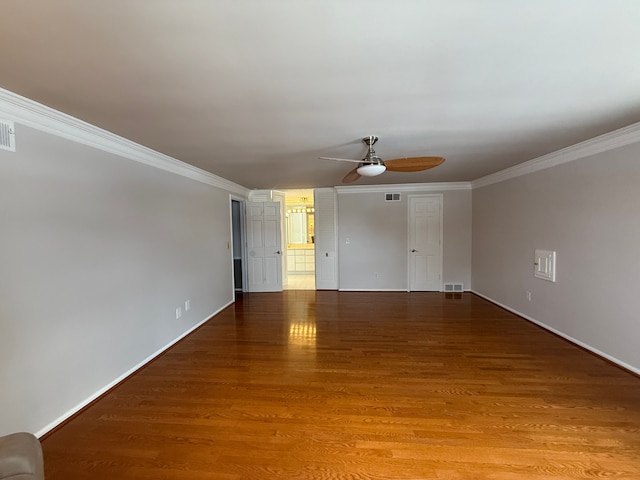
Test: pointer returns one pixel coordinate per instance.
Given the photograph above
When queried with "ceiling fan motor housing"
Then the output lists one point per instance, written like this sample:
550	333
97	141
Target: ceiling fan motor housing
371	158
372	164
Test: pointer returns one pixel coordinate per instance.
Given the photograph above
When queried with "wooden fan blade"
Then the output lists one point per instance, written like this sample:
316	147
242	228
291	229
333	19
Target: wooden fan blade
352	176
414	164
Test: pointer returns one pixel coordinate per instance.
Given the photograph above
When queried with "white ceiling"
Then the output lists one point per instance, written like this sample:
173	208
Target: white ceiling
255	90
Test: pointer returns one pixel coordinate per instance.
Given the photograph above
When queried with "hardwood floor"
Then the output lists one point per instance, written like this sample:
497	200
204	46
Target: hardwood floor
300	282
350	385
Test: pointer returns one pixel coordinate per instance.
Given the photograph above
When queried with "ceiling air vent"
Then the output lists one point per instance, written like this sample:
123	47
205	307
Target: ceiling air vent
391	197
7	136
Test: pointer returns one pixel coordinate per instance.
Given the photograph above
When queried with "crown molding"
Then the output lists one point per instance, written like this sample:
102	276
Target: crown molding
35	115
404	187
608	141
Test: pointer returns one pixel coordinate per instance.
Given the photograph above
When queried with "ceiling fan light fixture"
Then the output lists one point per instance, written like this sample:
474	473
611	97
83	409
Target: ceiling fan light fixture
372	165
371	170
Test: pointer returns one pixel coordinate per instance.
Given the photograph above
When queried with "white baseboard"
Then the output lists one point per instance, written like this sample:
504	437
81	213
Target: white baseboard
394	290
129	372
372	290
600	353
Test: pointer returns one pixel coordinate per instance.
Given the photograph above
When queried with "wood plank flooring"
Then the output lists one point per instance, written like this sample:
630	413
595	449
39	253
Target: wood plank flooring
351	385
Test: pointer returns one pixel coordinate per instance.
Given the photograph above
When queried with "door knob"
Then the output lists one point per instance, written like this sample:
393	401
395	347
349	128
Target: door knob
413	250
278	252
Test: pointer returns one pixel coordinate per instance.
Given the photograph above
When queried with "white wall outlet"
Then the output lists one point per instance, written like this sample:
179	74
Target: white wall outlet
187	305
376	275
178	312
347	241
529	296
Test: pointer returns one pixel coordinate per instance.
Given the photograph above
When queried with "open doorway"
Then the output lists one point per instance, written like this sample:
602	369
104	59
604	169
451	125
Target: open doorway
237	242
299	241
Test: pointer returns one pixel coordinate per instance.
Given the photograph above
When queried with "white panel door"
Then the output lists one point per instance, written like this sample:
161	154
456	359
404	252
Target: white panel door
425	243
264	247
326	239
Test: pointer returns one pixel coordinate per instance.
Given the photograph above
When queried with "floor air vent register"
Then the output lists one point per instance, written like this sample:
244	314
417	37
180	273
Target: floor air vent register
453	287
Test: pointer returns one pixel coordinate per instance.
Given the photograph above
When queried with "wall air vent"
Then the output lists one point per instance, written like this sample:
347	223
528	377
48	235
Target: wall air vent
391	197
454	287
7	136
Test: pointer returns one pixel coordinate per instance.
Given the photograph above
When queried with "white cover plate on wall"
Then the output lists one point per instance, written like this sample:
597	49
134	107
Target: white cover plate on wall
544	265
7	135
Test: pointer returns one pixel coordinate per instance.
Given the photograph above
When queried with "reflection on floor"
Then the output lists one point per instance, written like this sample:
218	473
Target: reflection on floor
301	282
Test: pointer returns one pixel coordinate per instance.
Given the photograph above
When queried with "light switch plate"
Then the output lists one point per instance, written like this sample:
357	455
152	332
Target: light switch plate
544	265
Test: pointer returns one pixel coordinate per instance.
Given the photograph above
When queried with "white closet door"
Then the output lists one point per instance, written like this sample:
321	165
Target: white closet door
425	243
264	248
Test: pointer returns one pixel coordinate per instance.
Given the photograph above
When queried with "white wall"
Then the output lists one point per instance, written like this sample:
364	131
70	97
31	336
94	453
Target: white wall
588	211
96	253
378	236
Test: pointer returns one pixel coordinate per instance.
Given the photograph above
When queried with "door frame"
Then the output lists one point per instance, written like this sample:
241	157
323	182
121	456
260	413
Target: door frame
243	243
440	197
281	197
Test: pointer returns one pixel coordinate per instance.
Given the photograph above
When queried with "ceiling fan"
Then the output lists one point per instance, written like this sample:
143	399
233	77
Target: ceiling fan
372	165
